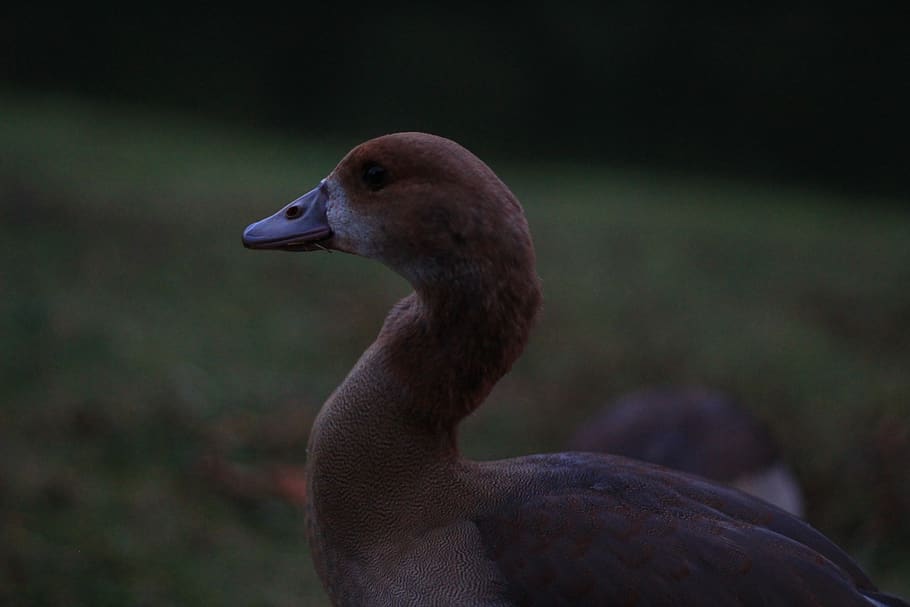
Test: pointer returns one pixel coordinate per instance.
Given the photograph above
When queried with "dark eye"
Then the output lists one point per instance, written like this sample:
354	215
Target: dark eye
375	176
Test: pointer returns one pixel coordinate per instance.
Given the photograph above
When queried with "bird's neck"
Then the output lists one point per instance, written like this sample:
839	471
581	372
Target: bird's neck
387	435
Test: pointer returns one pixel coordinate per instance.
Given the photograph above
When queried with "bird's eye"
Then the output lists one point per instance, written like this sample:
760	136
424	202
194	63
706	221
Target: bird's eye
375	176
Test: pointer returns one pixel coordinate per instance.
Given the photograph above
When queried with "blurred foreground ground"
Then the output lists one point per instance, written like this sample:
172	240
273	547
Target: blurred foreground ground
138	337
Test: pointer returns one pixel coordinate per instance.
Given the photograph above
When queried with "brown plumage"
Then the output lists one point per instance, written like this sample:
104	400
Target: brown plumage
397	517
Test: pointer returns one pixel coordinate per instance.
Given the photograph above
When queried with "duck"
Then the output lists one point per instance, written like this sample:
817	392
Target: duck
395	515
698	430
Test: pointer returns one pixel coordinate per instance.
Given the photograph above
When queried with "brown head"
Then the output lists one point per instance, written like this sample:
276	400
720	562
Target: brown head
423	205
436	214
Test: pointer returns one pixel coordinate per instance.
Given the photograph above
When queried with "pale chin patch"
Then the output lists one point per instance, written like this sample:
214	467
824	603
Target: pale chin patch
350	233
359	234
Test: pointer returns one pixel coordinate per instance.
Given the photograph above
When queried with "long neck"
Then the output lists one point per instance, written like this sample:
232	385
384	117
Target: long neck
392	421
450	345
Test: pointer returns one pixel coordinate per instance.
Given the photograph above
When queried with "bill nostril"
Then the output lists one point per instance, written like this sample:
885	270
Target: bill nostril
292	212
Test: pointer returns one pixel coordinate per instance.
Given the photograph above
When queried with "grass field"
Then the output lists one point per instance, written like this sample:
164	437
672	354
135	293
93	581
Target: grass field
139	337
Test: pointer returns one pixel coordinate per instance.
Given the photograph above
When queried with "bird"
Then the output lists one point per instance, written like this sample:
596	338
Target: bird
697	430
395	515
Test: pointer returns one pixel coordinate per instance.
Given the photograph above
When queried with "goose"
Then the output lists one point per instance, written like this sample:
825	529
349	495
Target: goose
696	430
396	516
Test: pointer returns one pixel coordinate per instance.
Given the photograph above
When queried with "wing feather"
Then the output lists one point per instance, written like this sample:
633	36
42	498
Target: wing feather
595	530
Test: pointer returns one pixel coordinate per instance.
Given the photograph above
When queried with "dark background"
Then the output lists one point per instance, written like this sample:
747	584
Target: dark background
809	94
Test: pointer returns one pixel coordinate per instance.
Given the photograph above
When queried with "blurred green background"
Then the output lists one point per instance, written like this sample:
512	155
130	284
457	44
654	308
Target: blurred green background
715	199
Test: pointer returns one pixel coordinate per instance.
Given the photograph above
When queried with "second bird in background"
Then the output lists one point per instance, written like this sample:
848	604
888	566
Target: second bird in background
695	430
